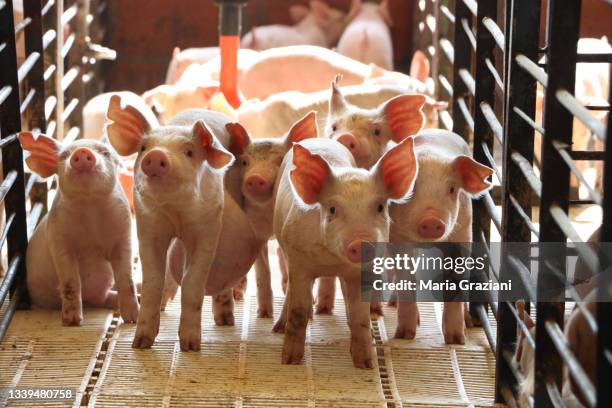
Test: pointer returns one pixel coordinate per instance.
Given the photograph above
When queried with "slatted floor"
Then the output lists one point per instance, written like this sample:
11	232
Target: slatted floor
240	366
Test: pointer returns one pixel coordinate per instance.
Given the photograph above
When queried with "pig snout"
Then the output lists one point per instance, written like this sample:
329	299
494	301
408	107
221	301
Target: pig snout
431	227
350	142
155	163
353	250
257	185
82	159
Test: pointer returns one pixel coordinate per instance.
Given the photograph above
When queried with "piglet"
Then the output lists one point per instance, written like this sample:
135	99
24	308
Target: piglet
368	37
183	59
178	193
259	161
320	25
440	210
81	248
326	209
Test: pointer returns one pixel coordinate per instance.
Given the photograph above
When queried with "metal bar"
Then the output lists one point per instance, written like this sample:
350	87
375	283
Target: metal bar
22	25
10	311
468	80
481	312
522	214
468	32
8	140
575	107
492	212
446	85
498	80
68	45
533	69
26	101
447	49
5	91
48	38
472	6
69	77
8	280
491	160
586	155
465	112
528	120
34	217
562	150
521	324
523	273
495	32
492	121
447	13
27	65
604	57
7	183
69	109
526	170
555	396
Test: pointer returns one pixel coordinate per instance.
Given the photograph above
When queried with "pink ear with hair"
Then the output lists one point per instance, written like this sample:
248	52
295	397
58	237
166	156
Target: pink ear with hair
337	102
405	116
240	138
43	153
216	156
310	174
473	175
398	168
127	128
304	128
419	66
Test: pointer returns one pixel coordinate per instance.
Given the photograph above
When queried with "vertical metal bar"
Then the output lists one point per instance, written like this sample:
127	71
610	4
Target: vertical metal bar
77	57
521	32
562	38
463	58
59	69
444	30
12	159
604	309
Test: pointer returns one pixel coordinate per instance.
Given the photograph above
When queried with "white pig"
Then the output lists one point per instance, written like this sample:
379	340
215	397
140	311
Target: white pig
326	208
183	59
320	25
440	210
368	37
81	248
260	160
179	193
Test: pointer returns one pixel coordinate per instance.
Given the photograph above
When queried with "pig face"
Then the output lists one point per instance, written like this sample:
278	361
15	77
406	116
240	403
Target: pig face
170	158
353	202
83	167
366	132
432	213
260	159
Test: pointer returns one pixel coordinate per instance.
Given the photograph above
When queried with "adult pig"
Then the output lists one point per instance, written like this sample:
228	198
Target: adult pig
81	248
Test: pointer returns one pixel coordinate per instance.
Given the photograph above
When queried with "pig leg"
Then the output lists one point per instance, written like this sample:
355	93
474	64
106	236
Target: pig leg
299	298
407	320
453	325
279	326
376	308
392	299
326	294
122	270
175	265
264	284
67	269
359	321
153	256
282	265
192	292
240	288
223	308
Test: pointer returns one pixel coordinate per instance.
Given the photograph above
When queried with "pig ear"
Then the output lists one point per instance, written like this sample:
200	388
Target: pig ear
419	67
176	52
404	115
298	12
240	138
384	11
309	176
127	127
473	175
337	102
398	169
216	155
304	128
43	153
321	11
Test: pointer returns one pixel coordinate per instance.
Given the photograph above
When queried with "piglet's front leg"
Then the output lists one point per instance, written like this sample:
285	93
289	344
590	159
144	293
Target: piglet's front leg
122	269
67	268
453	324
223	308
299	308
264	286
199	262
153	256
359	321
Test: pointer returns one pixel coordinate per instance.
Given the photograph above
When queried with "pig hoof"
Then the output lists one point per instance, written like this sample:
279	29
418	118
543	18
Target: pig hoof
72	319
130	315
292	354
392	303
279	327
362	355
265	312
376	308
238	294
225	319
190	342
324	307
142	341
454	338
405	333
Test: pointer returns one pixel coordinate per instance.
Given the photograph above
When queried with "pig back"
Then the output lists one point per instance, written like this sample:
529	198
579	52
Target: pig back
441	142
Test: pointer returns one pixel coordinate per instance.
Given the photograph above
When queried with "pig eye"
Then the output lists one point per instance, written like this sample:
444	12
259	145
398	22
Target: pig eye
143	148
451	190
245	163
334	127
332	210
381	208
189	153
376	132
